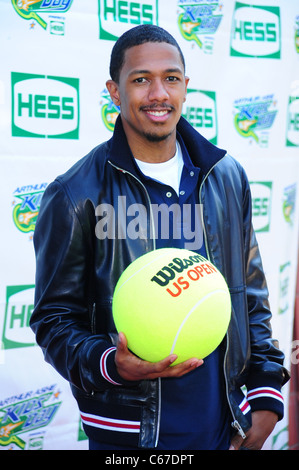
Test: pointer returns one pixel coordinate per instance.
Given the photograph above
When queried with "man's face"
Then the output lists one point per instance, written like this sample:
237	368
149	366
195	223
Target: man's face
151	91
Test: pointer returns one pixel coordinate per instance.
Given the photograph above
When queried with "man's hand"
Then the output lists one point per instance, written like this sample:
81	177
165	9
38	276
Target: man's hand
130	367
263	423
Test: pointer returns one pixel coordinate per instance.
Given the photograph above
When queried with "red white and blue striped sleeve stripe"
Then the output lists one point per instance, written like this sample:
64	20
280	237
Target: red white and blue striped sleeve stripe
260	393
103	366
244	406
264	392
110	424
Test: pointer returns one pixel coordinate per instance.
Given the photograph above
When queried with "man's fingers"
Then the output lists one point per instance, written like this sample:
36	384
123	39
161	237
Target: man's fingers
164	368
184	367
133	368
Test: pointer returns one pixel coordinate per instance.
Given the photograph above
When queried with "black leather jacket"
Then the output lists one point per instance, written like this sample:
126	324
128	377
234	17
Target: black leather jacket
76	275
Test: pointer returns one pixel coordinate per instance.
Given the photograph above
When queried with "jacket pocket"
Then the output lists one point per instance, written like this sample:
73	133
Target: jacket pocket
105	419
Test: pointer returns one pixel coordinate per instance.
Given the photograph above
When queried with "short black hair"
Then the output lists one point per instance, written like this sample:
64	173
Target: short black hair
135	37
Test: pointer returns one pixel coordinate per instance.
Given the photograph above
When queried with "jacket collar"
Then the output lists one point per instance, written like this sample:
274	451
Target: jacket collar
202	152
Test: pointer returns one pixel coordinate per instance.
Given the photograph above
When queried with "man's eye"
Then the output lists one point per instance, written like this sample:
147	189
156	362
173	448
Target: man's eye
140	80
172	79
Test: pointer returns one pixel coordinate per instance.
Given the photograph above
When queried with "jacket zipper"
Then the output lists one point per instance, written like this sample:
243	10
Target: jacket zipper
235	424
154	247
148	199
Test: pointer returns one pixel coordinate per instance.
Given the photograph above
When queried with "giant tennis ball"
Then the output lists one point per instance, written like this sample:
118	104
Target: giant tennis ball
172	301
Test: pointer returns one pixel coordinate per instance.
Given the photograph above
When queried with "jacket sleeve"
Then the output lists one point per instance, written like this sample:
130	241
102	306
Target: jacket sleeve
267	374
61	316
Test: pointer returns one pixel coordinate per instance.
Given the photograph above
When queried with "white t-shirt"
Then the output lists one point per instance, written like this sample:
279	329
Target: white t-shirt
169	172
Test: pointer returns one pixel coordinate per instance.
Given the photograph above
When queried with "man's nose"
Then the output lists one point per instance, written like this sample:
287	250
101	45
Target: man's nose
158	91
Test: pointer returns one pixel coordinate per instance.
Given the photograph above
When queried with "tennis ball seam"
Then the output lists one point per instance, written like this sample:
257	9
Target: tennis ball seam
184	336
210	294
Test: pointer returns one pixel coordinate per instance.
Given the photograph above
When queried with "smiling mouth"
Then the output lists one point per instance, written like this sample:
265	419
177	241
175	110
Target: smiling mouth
157	112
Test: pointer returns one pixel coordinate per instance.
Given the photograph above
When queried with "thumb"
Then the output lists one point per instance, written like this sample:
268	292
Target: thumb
122	342
236	442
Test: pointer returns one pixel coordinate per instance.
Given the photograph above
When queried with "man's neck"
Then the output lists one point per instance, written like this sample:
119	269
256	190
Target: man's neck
153	152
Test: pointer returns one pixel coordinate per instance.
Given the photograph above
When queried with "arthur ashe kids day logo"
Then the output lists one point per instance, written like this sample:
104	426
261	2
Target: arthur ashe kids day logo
26	206
45	106
32	9
199	20
297	34
289	203
117	16
24	418
256	31
254	117
292	139
109	111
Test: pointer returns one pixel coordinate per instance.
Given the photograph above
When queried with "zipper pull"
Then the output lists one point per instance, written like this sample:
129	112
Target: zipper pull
237	426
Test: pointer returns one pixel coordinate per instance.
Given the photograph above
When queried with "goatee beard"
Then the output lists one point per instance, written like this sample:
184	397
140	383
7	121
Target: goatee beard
156	138
151	137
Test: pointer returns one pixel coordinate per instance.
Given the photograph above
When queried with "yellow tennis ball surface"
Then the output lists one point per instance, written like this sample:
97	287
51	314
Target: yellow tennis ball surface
172	301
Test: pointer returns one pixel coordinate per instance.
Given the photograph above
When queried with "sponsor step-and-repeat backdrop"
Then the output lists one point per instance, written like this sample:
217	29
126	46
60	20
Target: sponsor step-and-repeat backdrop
243	62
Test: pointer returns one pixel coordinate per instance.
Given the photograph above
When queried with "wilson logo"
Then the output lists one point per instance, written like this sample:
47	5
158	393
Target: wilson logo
45	106
200	268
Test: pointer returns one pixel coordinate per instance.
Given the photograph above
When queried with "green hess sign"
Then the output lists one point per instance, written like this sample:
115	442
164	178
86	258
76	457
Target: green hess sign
256	31
117	16
45	106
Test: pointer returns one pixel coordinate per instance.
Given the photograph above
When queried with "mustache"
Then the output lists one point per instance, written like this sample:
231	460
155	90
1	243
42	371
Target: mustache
156	106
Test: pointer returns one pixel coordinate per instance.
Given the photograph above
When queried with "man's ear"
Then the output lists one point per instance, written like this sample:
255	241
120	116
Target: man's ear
113	89
187	79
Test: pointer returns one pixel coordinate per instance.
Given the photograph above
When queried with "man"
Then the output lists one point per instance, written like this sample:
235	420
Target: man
155	158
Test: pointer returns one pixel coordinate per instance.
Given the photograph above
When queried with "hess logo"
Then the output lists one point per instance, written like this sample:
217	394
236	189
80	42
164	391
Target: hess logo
45	106
256	31
200	110
116	16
